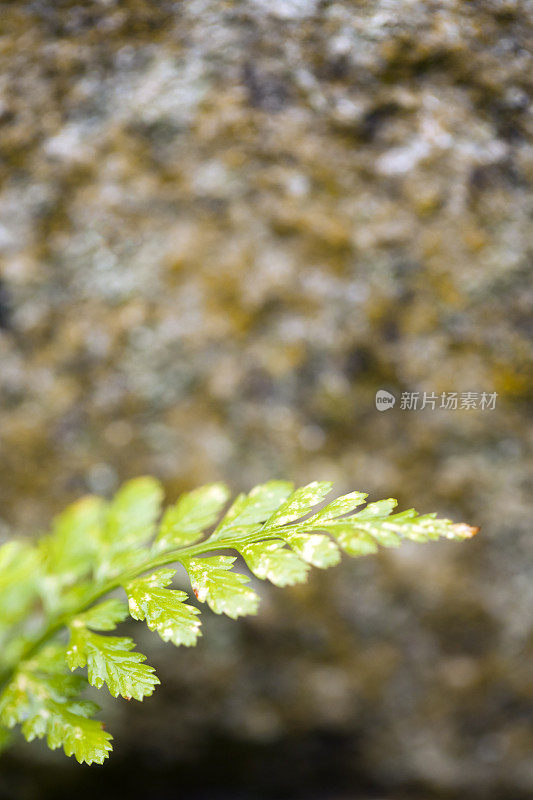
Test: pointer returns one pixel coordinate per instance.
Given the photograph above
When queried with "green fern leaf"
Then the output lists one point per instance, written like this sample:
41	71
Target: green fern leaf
388	530
83	738
274	561
314	548
69	551
164	609
40	698
15	703
223	590
300	503
344	504
130	522
354	542
19	580
184	522
105	616
249	510
110	660
133	512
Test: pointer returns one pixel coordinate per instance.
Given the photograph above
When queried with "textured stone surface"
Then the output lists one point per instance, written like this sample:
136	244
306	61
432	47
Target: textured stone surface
224	226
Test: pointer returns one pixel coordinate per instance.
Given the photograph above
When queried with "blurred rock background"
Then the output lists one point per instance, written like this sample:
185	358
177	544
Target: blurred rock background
223	227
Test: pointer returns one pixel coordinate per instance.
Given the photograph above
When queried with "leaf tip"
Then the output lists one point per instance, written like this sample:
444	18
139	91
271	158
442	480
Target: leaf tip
464	531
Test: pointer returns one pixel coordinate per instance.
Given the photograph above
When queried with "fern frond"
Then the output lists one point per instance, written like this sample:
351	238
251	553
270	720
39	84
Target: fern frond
97	548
